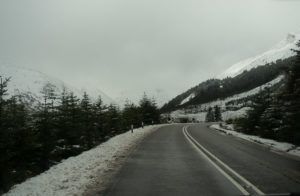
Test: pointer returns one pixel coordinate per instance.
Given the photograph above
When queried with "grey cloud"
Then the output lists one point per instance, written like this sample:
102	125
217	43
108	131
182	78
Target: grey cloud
140	45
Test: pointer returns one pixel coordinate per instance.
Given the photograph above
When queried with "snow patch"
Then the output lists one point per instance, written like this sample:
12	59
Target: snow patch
191	96
235	114
74	175
281	51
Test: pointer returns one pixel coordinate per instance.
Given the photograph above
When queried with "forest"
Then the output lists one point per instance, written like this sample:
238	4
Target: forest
32	139
275	112
213	89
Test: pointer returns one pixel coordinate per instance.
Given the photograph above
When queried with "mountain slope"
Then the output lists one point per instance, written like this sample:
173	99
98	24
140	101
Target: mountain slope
241	77
231	107
30	82
281	51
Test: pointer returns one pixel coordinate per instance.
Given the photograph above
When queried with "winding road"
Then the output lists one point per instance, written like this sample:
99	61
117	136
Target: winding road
192	159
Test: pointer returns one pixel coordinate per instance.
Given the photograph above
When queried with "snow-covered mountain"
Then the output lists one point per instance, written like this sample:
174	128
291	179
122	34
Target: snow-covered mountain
30	82
193	103
282	50
199	112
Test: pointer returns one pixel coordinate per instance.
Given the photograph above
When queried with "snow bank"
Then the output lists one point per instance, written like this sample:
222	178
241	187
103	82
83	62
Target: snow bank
74	175
280	146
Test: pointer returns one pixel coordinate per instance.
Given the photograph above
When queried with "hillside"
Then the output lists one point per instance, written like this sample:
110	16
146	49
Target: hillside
215	89
239	78
30	82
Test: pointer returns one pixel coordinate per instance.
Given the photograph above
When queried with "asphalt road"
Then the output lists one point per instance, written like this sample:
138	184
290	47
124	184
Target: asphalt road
171	162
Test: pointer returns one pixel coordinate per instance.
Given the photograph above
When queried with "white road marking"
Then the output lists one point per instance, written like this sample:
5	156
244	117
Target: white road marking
203	150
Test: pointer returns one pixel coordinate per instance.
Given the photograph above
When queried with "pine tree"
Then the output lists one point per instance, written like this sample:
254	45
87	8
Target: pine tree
45	124
291	107
4	135
74	132
87	120
71	134
49	96
130	115
210	115
3	93
270	121
217	113
21	139
98	115
149	113
63	119
251	124
112	124
16	140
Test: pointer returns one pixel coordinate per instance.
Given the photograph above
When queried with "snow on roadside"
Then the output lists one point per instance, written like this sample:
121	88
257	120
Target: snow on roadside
281	146
74	175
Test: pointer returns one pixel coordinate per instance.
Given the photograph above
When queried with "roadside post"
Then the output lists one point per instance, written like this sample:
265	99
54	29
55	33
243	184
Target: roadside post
131	128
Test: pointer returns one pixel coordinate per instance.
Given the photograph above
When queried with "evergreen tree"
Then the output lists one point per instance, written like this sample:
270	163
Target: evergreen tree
251	123
16	140
98	114
112	124
4	135
149	113
87	120
49	96
74	132
45	124
291	107
210	115
21	140
63	119
217	113
130	115
3	93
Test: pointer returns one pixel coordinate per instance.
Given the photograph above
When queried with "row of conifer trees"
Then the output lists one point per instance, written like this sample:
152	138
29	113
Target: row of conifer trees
34	138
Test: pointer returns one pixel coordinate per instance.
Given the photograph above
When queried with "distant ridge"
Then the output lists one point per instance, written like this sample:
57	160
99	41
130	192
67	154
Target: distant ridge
29	82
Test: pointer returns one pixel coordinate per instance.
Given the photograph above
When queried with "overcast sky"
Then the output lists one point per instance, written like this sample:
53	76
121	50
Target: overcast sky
126	47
